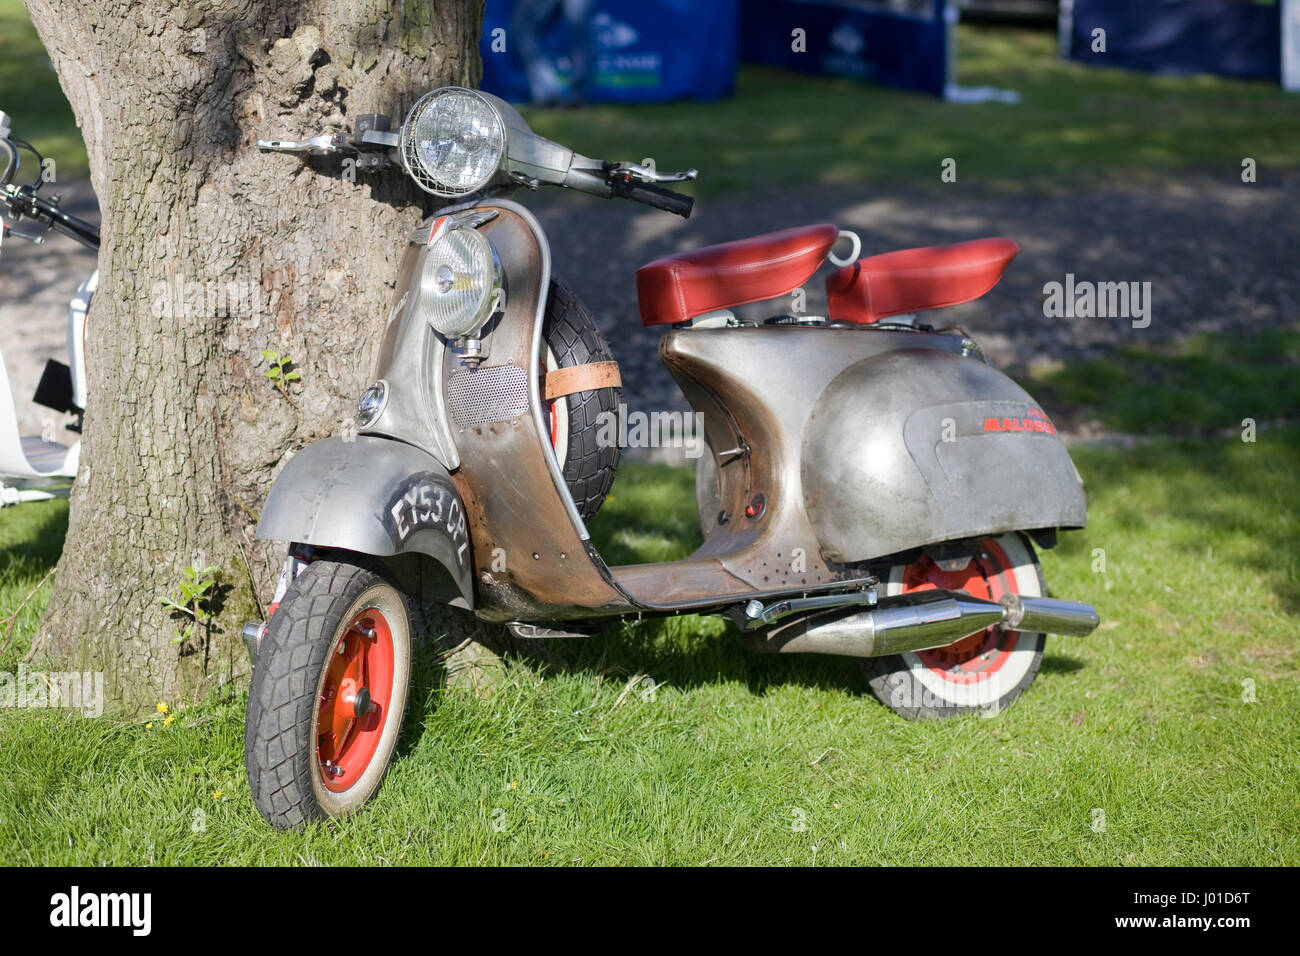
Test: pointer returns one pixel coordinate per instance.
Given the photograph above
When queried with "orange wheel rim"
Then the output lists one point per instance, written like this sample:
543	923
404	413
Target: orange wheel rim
354	700
989	575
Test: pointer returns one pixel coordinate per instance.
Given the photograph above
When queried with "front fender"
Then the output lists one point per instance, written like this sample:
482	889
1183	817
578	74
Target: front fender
920	446
375	496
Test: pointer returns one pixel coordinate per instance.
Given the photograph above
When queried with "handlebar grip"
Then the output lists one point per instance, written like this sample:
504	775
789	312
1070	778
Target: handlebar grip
676	203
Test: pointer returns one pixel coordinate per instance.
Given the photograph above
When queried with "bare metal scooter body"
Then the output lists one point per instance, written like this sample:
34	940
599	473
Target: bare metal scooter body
873	488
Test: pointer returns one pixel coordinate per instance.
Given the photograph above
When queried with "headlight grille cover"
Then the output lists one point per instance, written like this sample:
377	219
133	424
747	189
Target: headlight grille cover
453	141
456	286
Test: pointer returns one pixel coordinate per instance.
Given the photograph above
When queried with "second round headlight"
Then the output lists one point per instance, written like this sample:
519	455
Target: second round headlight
459	282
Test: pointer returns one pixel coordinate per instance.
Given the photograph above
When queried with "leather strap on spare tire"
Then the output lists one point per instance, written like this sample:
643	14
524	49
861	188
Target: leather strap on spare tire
580	378
585	401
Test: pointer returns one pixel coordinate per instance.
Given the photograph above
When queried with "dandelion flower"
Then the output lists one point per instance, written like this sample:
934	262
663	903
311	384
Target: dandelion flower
162	708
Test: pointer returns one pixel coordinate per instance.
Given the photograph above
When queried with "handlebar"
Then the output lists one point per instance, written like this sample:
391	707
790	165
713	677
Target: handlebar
30	205
23	201
531	161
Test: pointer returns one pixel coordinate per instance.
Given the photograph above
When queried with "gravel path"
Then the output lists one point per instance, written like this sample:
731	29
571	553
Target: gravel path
1220	257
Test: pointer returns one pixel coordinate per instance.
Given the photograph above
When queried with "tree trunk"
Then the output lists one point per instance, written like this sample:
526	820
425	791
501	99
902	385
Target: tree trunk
211	252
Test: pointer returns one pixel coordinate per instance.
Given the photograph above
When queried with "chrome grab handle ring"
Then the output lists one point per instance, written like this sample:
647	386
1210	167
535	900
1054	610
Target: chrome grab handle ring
853	256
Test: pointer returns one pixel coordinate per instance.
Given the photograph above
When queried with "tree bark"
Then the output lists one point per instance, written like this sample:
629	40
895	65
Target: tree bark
211	252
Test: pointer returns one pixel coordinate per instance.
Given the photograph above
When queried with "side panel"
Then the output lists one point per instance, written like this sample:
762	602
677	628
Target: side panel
756	388
918	446
374	496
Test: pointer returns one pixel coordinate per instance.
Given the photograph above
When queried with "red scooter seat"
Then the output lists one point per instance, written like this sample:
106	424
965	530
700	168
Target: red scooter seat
912	280
681	286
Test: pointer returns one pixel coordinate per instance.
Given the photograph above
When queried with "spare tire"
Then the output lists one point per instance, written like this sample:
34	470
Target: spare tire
571	338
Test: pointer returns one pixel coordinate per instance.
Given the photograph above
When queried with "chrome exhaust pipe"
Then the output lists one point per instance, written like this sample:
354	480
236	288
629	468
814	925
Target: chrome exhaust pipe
918	621
1049	615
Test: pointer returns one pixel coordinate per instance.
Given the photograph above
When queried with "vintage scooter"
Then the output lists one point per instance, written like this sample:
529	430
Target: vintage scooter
874	489
37	467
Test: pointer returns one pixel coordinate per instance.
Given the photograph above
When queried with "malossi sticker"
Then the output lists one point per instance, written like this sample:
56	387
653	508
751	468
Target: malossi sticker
1034	421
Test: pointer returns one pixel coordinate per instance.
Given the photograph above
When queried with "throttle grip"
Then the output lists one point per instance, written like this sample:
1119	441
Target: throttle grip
676	203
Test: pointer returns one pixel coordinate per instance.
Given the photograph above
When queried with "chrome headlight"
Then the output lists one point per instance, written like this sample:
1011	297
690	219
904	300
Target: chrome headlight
460	282
371	404
453	141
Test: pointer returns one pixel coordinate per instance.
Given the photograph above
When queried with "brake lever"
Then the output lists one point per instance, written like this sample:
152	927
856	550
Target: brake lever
647	174
321	145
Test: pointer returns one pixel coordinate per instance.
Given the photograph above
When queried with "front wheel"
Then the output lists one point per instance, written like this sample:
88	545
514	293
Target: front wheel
984	672
328	693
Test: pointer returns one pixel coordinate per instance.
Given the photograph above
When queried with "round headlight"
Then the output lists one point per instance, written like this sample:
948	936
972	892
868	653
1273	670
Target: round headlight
453	141
371	403
459	281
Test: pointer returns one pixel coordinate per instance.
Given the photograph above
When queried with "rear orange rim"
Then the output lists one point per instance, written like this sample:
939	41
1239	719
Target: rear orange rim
989	575
354	700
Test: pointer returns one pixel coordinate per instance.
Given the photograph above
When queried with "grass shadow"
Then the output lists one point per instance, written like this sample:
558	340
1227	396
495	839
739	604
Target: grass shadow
650	517
1060	664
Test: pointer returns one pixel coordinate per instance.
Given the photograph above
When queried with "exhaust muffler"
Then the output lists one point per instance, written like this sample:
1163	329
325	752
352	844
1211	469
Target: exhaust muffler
918	621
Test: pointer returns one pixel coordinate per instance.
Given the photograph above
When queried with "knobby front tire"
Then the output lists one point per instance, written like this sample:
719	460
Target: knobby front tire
328	693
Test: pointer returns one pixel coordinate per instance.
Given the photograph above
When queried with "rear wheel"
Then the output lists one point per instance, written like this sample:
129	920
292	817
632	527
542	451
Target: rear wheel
571	337
984	672
328	693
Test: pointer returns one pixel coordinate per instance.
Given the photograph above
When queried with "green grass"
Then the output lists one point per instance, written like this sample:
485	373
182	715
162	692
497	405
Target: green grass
31	539
31	95
1074	125
1145	721
1198	385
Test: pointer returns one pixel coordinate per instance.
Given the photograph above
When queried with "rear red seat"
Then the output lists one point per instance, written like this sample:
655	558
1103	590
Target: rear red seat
913	280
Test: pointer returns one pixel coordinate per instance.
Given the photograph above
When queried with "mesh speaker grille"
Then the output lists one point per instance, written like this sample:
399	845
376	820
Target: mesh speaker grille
494	393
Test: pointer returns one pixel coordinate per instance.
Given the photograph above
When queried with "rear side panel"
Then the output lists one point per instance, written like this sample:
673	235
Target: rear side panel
919	446
756	388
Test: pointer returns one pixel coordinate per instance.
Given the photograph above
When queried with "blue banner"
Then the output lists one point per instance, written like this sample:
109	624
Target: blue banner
900	43
626	51
1238	38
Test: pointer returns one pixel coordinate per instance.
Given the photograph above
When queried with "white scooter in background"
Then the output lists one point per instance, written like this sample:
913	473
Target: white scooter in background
37	467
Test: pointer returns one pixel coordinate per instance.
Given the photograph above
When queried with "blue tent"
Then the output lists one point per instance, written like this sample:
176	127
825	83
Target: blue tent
900	43
637	50
1239	38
